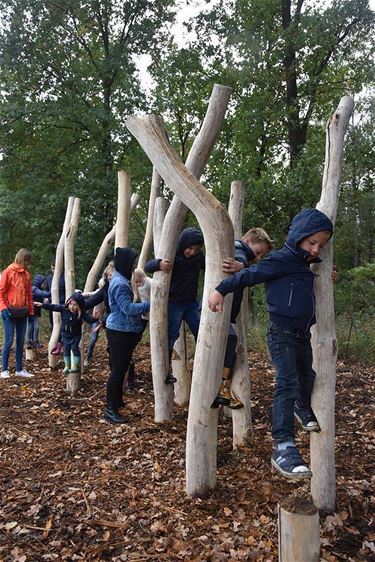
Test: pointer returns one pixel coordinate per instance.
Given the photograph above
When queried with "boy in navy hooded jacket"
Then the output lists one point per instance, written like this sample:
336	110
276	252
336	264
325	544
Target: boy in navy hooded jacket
182	300
291	306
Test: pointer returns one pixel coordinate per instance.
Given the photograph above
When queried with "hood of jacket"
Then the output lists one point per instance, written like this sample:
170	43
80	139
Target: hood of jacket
38	280
189	237
306	223
124	260
78	297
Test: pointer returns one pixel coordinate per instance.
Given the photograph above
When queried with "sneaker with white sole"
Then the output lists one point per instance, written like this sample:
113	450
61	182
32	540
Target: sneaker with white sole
289	463
306	418
5	374
25	374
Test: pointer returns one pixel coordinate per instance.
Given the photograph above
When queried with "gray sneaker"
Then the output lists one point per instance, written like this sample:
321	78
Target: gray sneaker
25	374
5	374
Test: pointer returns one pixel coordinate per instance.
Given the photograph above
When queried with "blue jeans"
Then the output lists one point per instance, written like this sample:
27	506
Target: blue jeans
93	339
177	312
33	329
9	325
292	357
71	344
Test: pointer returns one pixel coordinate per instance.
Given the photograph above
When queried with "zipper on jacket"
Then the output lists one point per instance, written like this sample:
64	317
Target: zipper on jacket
291	294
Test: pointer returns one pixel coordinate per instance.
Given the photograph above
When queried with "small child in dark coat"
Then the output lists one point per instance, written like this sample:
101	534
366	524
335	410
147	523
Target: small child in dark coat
39	294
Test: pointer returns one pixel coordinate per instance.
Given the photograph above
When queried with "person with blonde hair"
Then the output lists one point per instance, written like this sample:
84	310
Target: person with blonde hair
16	304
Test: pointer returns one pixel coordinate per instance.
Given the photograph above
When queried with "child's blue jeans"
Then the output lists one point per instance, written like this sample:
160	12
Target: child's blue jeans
93	339
71	344
177	312
292	357
9	325
33	329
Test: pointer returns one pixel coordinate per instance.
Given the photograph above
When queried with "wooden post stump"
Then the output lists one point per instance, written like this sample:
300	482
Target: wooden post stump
29	355
298	526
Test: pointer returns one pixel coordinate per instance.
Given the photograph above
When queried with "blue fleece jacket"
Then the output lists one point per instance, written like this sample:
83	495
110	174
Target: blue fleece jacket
286	273
185	272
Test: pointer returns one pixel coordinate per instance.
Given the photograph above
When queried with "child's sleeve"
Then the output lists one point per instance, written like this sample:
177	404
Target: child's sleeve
88	318
3	290
123	297
53	307
264	271
153	265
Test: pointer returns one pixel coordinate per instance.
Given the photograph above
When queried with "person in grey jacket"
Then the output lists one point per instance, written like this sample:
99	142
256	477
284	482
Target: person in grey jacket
124	329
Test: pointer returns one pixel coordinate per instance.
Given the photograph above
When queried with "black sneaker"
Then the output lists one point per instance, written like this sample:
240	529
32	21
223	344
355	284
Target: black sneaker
112	416
307	418
290	463
170	379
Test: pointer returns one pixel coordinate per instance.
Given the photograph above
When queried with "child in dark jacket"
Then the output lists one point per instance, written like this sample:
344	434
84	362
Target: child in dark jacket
291	306
73	314
39	294
254	245
182	300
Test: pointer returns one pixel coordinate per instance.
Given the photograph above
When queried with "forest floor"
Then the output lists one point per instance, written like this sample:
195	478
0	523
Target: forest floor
74	487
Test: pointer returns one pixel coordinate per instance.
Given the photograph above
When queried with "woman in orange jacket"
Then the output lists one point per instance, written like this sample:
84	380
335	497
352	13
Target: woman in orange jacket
16	304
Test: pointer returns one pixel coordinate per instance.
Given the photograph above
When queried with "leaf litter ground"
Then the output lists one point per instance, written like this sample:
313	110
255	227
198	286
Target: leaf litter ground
74	487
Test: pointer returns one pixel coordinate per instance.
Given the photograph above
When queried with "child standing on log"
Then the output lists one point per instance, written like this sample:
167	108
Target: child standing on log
73	314
291	306
182	300
254	245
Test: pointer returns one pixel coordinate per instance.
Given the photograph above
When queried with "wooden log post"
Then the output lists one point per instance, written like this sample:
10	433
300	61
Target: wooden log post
73	380
322	444
59	263
241	419
174	219
298	529
147	242
181	371
123	209
201	442
161	208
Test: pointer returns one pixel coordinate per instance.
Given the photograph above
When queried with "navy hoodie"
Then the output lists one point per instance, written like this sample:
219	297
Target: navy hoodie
38	293
185	272
286	273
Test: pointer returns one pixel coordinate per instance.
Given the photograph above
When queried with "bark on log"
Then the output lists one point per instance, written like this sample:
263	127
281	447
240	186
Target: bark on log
219	241
161	208
323	483
241	419
123	209
73	380
59	263
174	219
180	368
147	242
29	355
104	250
298	526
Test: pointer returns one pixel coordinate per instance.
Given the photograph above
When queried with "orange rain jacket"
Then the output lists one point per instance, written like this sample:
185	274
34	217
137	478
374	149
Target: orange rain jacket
15	288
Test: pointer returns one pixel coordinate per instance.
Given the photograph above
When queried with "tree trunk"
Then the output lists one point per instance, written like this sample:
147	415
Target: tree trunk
104	250
219	241
323	484
298	525
73	380
180	368
241	419
123	210
161	208
173	223
59	263
147	242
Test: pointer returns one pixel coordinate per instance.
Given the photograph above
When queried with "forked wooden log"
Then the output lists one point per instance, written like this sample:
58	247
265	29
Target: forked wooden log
323	483
219	242
59	264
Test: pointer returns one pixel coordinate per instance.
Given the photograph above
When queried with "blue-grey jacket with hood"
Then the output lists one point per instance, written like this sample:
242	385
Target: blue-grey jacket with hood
125	315
185	272
286	273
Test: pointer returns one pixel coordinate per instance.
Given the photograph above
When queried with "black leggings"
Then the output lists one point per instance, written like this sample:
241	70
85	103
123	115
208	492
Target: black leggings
121	346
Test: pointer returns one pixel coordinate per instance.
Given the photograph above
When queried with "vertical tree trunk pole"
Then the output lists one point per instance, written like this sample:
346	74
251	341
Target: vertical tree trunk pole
322	444
161	208
174	219
59	264
241	419
147	242
201	440
123	210
180	369
104	250
73	380
298	525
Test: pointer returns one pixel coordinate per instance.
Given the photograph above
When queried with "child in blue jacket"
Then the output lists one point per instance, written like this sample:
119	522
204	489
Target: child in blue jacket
291	305
39	294
182	299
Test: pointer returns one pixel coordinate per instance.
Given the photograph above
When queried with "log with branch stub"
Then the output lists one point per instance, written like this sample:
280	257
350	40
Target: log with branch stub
323	484
55	297
174	219
219	242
